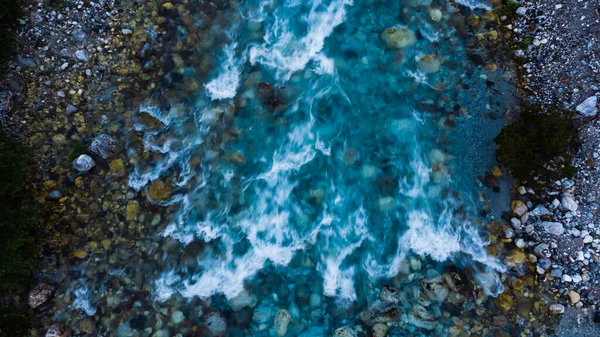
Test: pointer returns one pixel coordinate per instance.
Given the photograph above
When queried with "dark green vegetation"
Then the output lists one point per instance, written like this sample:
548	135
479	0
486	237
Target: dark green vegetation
10	11
19	248
78	149
509	9
538	145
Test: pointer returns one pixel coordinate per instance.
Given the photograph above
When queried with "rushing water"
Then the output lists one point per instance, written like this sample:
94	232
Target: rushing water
316	164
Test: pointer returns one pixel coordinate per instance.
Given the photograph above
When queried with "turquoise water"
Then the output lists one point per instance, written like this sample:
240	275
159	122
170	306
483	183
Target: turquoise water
317	163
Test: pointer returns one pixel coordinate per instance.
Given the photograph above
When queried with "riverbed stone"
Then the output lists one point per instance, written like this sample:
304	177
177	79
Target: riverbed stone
380	330
216	324
245	299
281	322
399	37
159	190
518	207
345	331
421	318
87	325
554	228
557	309
573	296
569	203
57	329
589	107
103	146
435	288
40	294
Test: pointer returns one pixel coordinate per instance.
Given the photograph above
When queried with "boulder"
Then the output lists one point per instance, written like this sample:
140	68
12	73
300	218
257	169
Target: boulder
103	146
40	295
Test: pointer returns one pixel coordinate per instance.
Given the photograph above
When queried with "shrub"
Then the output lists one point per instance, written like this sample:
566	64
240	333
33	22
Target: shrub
538	145
10	10
18	223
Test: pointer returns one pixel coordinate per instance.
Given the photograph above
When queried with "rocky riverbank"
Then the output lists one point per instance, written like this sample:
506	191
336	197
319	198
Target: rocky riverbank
557	46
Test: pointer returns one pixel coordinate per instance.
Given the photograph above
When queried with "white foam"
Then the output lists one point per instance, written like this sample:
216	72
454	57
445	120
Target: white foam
82	301
475	4
226	84
286	52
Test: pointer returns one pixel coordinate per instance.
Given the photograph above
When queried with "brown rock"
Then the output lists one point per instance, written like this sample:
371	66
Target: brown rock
159	190
574	296
87	325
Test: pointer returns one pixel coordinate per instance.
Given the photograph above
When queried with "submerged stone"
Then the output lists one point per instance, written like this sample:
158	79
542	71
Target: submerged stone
430	63
421	318
399	37
159	190
281	322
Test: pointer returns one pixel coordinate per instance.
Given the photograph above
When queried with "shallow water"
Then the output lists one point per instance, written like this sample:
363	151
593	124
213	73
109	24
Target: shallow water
314	165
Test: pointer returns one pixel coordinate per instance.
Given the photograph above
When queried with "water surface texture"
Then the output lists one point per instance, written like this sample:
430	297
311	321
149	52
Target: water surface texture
317	163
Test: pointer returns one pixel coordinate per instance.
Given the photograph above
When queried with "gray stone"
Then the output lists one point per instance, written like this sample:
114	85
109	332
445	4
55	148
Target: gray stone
40	295
83	163
541	249
103	146
421	318
521	11
589	107
216	323
177	316
82	55
569	204
540	210
71	108
55	195
554	228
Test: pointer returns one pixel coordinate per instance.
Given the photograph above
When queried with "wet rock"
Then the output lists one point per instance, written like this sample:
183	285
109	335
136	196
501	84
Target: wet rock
589	107
554	228
56	330
263	313
557	309
399	37
454	281
103	146
573	296
430	63
389	294
472	20
421	318
87	325
216	324
281	322
345	331
435	15
505	302
245	299
435	288
177	316
83	163
379	330
159	190
518	207
40	295
515	258
379	312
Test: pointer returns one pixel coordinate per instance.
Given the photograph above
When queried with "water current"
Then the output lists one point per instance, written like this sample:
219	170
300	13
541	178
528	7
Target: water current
333	150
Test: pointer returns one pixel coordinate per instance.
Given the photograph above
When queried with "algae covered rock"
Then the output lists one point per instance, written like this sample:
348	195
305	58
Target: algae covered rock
159	190
430	63
399	37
